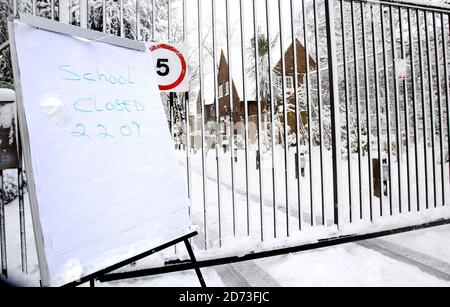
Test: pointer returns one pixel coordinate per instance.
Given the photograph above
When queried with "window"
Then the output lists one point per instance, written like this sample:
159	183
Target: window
221	91
289	83
226	89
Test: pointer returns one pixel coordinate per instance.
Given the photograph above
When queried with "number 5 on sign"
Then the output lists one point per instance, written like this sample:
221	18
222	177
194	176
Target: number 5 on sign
171	67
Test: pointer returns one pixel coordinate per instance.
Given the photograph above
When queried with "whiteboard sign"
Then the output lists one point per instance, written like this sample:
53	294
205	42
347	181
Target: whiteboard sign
170	64
104	182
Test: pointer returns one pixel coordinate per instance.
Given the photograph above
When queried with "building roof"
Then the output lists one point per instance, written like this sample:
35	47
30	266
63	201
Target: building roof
237	74
289	60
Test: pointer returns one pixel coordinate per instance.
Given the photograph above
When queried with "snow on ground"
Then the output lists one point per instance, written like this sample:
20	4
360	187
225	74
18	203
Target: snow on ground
230	230
419	258
16	276
416	258
347	265
432	242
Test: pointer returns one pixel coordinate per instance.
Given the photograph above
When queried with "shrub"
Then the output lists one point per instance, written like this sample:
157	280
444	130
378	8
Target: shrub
10	186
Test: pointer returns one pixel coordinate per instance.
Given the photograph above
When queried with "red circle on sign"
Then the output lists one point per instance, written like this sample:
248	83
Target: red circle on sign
183	66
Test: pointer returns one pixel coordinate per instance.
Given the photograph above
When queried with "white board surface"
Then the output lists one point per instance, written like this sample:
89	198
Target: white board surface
107	183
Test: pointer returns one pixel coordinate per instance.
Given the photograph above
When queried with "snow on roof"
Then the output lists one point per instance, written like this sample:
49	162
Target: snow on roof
7	95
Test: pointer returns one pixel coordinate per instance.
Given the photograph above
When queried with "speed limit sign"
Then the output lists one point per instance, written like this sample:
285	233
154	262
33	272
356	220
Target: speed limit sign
171	67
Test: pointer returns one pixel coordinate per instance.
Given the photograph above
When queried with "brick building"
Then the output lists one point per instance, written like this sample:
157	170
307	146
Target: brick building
223	94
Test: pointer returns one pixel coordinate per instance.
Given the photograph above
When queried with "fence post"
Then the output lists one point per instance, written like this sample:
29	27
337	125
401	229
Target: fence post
335	110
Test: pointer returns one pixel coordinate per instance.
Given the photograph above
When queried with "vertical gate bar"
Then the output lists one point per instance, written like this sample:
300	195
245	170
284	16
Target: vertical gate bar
22	222
187	121
202	110
320	107
432	123
358	107
285	113
231	106
388	107
446	75
405	96
368	113
272	119
14	7
23	242
83	11
297	113
170	102
169	21
173	98
3	261
104	15
413	89
335	112
308	102
138	19
33	9
188	147
258	103
52	10
424	111
347	111
398	125
218	136
122	30
184	22
244	93
439	100
377	106
154	23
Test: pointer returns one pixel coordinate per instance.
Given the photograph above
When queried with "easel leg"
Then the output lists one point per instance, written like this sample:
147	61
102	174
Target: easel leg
194	261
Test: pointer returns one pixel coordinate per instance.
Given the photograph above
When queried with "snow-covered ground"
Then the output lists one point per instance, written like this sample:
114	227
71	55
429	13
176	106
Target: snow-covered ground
419	258
248	215
416	258
399	260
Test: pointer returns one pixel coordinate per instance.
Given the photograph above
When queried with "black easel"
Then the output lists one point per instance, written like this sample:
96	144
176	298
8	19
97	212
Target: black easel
92	277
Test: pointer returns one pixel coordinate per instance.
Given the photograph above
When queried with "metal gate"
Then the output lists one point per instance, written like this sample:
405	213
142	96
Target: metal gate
340	127
306	120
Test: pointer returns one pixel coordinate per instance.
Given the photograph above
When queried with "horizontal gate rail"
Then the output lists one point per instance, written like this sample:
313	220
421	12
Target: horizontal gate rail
431	7
183	265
